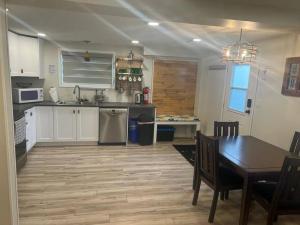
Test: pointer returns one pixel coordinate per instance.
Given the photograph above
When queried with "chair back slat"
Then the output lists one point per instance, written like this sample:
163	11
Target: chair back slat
295	146
208	159
225	129
288	188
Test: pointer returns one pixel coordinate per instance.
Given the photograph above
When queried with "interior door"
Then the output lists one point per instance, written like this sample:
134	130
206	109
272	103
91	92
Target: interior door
240	95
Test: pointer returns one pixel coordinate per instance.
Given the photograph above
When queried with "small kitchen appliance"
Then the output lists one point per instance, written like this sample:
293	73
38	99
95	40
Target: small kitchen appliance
27	95
139	98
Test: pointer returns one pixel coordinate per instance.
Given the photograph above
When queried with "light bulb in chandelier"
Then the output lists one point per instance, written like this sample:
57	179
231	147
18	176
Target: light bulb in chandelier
240	52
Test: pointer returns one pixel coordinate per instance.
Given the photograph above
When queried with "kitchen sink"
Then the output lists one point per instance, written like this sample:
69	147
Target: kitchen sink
74	103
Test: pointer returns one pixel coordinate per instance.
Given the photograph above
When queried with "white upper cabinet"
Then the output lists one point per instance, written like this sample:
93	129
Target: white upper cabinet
44	124
13	53
24	55
29	61
65	123
87	123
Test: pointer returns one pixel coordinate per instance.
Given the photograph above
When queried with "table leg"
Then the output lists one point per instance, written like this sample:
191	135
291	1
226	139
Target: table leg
246	201
155	133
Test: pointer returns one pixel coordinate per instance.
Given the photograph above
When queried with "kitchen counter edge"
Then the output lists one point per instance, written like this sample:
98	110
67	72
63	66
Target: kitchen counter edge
19	109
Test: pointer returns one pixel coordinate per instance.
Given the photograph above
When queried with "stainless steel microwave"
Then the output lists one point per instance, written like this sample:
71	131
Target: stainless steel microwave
26	95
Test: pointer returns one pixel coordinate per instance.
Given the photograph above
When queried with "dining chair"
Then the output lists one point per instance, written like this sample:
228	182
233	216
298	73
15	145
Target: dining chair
281	198
295	146
226	129
218	178
197	137
294	149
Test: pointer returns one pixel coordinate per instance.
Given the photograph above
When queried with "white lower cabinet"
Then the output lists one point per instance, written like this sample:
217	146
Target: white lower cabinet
67	124
44	124
64	124
30	118
87	123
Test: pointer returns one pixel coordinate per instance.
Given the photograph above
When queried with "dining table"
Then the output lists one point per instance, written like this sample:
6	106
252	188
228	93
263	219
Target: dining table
254	160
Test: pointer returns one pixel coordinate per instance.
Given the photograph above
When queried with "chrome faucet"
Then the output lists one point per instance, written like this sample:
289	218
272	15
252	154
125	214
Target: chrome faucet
78	96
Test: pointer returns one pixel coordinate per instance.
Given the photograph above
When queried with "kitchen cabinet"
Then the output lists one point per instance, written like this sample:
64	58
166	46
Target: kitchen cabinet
87	123
13	48
65	124
30	118
24	55
45	124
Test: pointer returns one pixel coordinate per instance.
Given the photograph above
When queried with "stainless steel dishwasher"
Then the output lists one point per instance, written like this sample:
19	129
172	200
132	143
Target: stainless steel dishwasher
113	126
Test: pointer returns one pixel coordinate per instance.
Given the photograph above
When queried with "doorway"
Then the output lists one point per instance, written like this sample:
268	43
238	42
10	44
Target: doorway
239	98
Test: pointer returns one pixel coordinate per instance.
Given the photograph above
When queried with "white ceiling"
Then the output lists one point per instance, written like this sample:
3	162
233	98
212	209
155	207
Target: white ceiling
117	22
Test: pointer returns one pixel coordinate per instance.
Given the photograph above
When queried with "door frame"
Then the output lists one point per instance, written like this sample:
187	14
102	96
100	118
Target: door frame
228	79
9	213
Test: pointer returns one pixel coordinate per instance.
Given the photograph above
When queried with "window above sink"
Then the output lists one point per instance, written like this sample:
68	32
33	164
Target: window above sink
95	71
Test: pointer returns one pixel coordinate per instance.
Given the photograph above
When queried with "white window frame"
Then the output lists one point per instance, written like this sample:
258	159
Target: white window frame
87	86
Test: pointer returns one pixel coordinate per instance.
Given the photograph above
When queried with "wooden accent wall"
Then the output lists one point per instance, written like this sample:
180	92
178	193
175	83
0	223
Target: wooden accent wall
174	87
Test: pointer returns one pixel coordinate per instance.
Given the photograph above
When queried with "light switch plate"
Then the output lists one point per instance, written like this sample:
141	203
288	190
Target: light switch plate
52	69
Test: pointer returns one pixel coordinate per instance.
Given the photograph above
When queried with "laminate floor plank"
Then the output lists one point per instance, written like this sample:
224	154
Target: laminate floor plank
118	185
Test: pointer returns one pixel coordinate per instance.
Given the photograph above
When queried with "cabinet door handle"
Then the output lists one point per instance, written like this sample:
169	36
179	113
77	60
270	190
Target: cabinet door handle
78	111
22	71
74	111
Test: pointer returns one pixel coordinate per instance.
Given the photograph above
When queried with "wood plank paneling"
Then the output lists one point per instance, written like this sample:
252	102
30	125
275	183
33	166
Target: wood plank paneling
174	87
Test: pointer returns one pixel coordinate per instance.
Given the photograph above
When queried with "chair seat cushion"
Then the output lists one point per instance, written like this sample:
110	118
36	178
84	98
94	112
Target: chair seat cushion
265	190
229	178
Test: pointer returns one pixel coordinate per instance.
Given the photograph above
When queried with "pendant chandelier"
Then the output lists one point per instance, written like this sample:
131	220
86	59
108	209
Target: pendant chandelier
240	52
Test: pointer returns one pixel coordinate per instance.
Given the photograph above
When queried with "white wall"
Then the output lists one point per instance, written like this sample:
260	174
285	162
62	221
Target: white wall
51	57
211	93
276	117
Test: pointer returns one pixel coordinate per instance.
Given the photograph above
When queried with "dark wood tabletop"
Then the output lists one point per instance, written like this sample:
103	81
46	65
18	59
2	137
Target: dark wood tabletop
251	154
254	160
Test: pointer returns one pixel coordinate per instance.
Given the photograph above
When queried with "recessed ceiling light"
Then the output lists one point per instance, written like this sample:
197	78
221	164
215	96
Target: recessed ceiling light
197	40
135	42
41	35
153	24
6	9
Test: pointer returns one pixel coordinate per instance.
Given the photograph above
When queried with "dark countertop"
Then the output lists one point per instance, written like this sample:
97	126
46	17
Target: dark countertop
20	108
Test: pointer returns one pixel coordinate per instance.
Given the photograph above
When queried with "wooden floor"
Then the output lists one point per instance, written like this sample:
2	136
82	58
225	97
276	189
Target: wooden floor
119	186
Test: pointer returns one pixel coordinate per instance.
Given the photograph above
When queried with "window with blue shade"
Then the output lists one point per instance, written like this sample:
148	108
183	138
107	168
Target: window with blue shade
239	87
